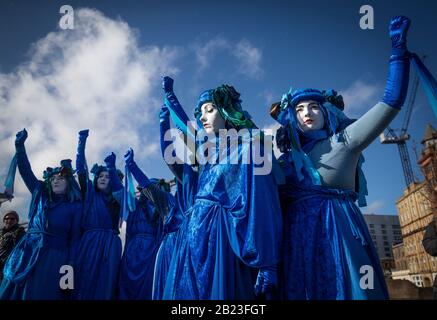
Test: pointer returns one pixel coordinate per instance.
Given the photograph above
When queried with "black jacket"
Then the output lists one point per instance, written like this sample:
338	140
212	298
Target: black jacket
8	240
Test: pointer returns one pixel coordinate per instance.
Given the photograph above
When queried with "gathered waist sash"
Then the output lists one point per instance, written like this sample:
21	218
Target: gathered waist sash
298	194
50	236
102	229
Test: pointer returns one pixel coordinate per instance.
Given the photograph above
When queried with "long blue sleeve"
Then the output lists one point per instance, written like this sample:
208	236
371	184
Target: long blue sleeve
116	184
25	169
399	65
164	126
81	166
139	175
397	80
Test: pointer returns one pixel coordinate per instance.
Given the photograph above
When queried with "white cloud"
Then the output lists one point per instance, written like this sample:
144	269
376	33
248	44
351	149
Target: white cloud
248	57
206	51
374	207
95	76
360	97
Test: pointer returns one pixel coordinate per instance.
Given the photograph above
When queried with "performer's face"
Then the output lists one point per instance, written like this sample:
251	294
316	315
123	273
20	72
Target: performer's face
9	221
58	184
103	181
211	119
309	115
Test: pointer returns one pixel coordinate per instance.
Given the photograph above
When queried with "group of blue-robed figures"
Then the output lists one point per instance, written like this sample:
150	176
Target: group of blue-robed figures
228	232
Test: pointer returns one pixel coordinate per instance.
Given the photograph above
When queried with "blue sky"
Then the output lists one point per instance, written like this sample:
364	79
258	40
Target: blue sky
105	74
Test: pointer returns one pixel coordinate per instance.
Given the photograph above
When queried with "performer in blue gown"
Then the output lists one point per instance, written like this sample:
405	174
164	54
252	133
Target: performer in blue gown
144	233
328	252
233	229
100	247
32	271
179	206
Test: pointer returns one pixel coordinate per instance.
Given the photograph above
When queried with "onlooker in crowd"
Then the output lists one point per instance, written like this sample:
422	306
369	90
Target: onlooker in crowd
10	234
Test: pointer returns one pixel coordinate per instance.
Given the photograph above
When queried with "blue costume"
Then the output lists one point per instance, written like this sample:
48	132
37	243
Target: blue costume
32	271
327	248
143	235
164	227
99	253
232	229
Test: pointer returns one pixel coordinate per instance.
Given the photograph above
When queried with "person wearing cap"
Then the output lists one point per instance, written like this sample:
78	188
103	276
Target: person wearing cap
165	230
10	235
229	242
328	252
99	253
33	269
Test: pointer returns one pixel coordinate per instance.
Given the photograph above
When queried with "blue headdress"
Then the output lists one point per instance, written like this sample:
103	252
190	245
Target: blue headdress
293	140
66	170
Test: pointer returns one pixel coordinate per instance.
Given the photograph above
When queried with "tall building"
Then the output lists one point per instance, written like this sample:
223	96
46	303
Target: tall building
385	231
416	209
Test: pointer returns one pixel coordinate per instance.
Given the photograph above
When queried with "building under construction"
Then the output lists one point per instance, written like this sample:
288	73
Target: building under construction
416	209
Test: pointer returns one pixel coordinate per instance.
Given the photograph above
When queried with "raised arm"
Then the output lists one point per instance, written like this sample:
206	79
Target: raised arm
151	191
362	132
164	126
81	166
23	163
116	184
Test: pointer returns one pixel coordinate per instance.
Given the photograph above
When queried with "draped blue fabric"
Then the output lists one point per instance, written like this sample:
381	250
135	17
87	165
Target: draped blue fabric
143	234
427	80
32	269
232	229
129	200
100	248
10	178
326	243
182	201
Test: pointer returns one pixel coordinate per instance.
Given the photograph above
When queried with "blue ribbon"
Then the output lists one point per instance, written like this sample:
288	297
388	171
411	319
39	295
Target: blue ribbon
180	121
129	204
10	178
428	82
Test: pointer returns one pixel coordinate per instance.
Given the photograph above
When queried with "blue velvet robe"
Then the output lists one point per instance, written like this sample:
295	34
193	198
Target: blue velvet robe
232	229
99	252
325	246
32	271
172	223
143	237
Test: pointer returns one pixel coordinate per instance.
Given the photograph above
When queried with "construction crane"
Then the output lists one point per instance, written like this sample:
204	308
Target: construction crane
401	140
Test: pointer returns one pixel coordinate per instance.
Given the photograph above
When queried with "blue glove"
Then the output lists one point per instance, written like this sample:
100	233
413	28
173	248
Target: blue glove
110	161
116	184
139	175
83	135
80	157
399	65
129	158
398	33
20	138
167	84
267	281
